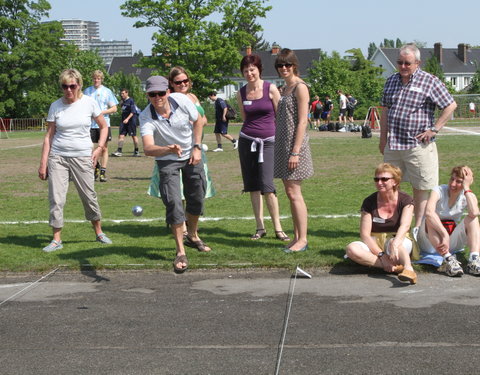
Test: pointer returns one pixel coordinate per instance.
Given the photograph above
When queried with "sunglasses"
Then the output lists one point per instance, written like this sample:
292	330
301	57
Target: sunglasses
154	94
286	65
186	81
406	63
71	87
383	179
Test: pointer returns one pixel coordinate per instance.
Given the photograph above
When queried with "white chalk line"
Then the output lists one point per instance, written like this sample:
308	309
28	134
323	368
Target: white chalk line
17	147
203	219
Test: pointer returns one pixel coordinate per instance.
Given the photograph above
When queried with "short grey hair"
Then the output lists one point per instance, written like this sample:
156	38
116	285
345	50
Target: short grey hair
410	48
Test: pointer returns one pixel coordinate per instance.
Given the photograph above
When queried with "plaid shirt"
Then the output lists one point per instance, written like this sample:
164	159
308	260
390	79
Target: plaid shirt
411	107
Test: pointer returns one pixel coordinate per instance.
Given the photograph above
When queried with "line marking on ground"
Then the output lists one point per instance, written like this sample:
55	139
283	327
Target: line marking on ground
203	219
17	147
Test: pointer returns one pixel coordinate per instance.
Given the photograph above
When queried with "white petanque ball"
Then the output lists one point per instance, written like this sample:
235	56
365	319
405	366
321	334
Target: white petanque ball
137	211
204	147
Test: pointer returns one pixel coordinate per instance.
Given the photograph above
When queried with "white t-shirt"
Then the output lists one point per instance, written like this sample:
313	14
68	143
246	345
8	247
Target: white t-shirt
176	130
343	101
72	126
444	211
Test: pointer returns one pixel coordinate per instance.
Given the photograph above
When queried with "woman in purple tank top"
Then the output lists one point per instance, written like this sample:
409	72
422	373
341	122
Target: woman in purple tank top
258	101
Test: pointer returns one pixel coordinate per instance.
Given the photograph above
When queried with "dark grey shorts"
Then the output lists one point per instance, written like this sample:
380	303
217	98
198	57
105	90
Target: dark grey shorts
194	187
256	176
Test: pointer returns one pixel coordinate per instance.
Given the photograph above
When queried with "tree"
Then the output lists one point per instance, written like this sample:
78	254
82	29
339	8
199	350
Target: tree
355	75
372	47
432	65
132	83
188	36
474	86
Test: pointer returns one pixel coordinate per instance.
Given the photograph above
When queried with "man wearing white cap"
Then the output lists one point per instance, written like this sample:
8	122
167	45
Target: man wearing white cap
168	134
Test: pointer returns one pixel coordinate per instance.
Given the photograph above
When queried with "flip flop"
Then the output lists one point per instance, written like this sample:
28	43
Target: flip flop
199	245
180	259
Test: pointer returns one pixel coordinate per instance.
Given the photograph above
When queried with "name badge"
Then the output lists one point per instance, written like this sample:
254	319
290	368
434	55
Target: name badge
416	89
247	102
379	220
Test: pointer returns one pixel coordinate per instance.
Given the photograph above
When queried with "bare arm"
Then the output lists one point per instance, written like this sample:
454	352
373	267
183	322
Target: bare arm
447	112
274	96
383	129
471	198
366	233
434	224
302	95
405	223
47	144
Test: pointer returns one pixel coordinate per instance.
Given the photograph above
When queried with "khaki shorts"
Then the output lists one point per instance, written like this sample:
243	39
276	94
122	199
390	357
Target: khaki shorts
419	165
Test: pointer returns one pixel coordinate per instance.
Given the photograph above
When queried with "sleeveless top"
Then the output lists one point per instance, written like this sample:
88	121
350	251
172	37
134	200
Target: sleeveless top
259	114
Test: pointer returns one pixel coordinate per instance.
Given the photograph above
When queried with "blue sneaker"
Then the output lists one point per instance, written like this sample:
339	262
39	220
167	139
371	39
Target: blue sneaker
102	238
53	246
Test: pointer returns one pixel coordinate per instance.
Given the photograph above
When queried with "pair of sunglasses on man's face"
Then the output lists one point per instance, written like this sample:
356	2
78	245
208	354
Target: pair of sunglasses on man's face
154	94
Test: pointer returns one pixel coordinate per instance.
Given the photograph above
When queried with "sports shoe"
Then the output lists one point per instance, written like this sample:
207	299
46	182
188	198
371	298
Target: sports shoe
451	266
52	246
103	178
97	172
473	267
117	154
218	149
235	144
136	154
102	238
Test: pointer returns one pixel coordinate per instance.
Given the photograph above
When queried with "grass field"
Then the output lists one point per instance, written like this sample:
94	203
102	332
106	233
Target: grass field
343	162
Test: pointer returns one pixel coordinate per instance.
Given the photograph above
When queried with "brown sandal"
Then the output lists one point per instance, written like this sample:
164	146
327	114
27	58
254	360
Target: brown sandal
259	234
199	245
180	259
281	235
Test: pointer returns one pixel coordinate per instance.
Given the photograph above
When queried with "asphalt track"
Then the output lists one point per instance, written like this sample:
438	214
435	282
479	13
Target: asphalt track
230	322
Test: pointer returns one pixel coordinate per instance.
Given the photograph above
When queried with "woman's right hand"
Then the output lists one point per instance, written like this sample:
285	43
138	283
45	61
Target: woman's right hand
43	172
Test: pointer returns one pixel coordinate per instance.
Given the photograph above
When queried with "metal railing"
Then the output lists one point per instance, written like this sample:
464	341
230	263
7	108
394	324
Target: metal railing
22	124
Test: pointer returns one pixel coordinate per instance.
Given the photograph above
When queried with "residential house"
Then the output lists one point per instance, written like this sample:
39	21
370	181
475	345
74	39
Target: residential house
459	64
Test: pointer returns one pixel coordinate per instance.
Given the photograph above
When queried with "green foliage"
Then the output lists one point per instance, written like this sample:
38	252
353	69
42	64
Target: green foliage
31	58
372	47
187	36
474	87
132	83
432	65
355	75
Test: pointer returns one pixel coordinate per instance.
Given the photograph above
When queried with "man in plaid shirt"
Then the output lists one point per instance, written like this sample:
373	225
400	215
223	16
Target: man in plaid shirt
408	126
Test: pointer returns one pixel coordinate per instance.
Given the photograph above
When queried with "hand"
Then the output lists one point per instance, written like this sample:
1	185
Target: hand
468	178
43	172
443	247
387	264
125	121
293	162
426	136
175	149
393	250
381	145
96	155
195	156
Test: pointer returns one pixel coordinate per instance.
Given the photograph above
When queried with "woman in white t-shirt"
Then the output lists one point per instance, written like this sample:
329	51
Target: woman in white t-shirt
67	155
445	230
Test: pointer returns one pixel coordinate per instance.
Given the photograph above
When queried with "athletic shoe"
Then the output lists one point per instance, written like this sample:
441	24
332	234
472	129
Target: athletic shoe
235	144
97	172
218	149
102	238
473	267
136	154
53	246
451	266
103	178
117	154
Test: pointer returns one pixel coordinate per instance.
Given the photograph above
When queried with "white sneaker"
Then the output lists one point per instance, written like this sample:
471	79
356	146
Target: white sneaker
218	149
53	246
235	144
102	238
451	266
117	154
473	267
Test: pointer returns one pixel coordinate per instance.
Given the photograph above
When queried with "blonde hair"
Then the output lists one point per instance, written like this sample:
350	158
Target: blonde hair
98	73
393	170
69	74
458	171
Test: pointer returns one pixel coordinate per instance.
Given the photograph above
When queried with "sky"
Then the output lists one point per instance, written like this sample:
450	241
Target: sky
329	25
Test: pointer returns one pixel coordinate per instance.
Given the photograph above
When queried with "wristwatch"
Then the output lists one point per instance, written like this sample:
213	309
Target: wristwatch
380	254
434	129
197	145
